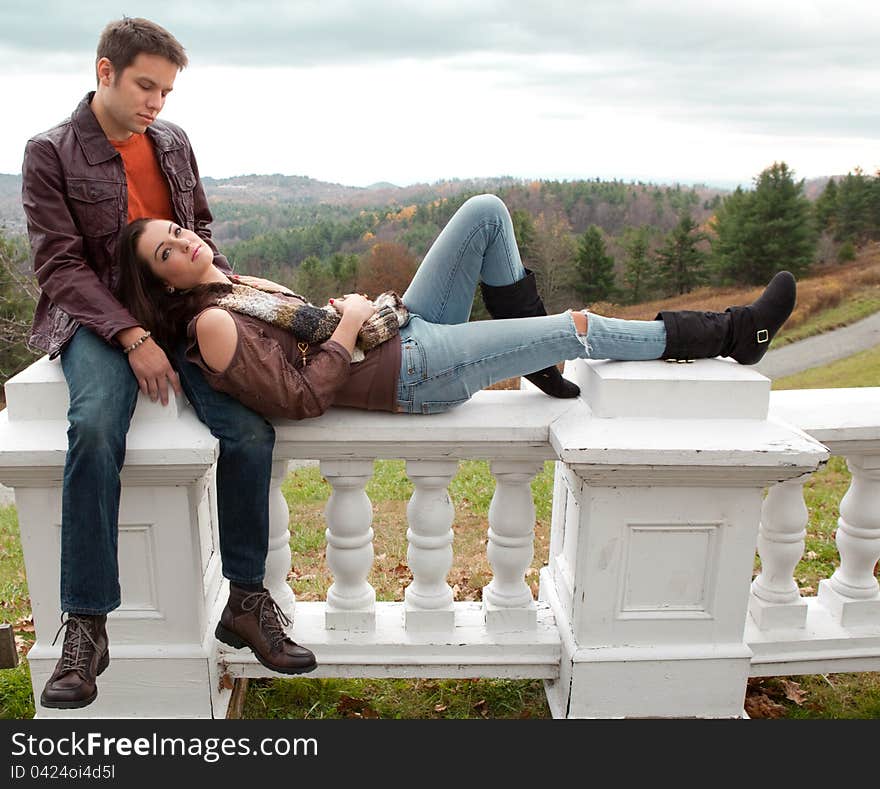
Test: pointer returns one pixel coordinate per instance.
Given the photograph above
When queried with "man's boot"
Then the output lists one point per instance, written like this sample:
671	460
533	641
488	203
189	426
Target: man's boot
521	300
742	333
85	654
254	620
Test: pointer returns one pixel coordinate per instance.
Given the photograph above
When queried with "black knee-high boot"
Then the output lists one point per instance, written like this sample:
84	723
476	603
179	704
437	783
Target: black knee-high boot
743	333
521	300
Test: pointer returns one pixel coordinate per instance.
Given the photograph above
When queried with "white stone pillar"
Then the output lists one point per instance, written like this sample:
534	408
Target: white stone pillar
664	468
278	557
776	599
351	600
428	600
852	594
163	651
507	598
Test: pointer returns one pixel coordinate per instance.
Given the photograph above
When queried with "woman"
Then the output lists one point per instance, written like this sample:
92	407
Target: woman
437	359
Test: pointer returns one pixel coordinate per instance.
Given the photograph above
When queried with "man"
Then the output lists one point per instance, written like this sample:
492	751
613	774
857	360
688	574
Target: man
112	161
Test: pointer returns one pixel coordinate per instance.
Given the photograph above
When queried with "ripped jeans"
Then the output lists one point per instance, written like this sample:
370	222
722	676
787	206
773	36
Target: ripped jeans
445	359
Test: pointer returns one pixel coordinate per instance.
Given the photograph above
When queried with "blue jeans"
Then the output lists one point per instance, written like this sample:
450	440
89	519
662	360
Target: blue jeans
445	359
103	393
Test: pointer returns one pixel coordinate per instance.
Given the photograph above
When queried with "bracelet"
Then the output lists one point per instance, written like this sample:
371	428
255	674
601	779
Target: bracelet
136	343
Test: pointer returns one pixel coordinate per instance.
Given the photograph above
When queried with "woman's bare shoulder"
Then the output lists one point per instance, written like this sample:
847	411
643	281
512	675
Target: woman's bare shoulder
217	336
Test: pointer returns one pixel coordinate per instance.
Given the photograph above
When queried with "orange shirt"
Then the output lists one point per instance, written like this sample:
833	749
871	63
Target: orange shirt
148	192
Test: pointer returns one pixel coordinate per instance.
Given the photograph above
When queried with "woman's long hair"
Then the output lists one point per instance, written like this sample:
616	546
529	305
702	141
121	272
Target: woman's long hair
165	314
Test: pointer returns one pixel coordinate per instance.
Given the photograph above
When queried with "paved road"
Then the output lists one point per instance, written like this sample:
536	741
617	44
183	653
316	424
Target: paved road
822	349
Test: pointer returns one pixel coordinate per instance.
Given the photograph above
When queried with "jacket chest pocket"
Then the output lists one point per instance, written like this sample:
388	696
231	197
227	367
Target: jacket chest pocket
95	205
182	181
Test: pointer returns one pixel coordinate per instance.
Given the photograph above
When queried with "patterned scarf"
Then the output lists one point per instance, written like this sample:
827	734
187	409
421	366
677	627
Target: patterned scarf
309	323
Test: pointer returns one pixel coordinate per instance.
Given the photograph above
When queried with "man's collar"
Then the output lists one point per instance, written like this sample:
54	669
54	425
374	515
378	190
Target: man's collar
94	142
92	139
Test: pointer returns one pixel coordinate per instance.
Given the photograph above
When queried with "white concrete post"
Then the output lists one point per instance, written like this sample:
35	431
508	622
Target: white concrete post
351	600
663	471
163	652
428	600
776	599
852	594
507	598
278	559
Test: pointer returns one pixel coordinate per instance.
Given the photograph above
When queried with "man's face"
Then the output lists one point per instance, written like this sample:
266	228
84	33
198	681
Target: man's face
132	99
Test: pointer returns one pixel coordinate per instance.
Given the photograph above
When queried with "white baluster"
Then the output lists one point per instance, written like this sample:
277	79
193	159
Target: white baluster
852	594
428	600
776	599
278	556
507	599
351	601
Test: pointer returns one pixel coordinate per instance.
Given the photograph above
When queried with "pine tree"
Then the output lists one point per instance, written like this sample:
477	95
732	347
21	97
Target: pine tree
680	263
853	208
766	230
594	268
638	272
826	207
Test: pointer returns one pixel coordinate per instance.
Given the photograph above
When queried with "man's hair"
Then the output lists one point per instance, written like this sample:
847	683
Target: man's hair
124	39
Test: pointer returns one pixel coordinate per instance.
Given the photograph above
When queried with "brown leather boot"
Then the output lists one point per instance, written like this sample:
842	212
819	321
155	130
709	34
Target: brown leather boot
85	654
253	619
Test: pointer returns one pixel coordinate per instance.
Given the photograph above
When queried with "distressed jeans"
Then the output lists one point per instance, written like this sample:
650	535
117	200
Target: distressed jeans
445	358
103	392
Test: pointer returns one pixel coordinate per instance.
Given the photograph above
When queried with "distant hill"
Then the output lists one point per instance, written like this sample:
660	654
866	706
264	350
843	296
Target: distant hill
301	190
298	190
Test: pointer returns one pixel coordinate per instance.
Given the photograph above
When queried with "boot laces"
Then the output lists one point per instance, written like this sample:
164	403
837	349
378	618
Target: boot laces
75	653
271	618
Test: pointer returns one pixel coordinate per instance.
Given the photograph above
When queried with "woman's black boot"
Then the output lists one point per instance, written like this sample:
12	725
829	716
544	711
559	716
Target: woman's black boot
521	300
743	333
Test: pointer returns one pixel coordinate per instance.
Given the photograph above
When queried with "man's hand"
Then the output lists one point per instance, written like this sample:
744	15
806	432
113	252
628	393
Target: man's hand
153	371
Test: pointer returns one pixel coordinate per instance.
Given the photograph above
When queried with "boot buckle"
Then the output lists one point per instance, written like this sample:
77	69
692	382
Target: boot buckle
763	336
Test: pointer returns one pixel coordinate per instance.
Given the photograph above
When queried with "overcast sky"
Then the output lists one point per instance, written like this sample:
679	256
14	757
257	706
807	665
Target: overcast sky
360	91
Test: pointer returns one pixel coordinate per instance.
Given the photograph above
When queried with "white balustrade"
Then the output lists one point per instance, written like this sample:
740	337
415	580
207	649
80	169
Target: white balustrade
644	607
428	600
351	599
852	593
507	598
776	599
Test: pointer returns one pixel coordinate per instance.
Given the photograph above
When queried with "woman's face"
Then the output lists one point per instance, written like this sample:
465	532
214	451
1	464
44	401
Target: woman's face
177	256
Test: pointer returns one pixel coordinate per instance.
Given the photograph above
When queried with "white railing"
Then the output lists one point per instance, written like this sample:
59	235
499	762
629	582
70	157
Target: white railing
837	629
645	606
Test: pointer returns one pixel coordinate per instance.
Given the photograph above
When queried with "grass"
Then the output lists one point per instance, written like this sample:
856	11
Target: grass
16	697
860	369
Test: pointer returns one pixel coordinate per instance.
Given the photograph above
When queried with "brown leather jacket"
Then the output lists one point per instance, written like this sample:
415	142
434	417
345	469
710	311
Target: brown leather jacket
75	197
274	375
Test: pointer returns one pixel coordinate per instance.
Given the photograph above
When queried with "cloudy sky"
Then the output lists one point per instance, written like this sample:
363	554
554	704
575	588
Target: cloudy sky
360	91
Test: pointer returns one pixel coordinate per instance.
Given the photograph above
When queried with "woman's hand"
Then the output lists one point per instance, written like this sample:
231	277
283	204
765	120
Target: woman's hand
354	309
355	306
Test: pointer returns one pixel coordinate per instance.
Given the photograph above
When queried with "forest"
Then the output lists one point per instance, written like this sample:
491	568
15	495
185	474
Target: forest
588	241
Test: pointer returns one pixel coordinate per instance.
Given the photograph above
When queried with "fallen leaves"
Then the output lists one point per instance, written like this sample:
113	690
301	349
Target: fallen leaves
793	692
764	697
352	707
